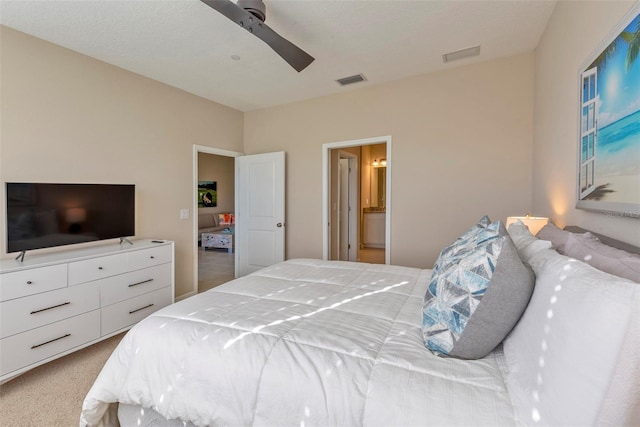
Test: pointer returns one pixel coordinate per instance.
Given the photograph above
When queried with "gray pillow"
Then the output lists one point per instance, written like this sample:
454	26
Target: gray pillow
586	247
553	234
474	300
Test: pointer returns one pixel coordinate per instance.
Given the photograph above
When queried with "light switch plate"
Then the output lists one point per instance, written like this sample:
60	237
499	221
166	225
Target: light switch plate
184	213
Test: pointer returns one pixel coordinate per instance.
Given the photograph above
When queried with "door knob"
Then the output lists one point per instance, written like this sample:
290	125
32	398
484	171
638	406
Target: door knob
279	225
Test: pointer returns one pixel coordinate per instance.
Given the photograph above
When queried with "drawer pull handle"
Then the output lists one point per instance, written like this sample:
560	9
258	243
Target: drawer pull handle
100	268
49	308
29	282
50	341
152	257
140	283
141	308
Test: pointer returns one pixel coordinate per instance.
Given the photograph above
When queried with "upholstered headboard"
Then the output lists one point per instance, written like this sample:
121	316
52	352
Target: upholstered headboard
606	240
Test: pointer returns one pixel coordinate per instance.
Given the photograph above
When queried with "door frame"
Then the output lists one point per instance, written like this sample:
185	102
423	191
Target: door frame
197	149
326	175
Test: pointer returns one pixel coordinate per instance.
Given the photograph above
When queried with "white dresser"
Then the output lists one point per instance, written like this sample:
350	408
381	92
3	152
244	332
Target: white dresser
56	303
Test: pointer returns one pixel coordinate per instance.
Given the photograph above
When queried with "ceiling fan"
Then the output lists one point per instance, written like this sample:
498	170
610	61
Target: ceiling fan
250	15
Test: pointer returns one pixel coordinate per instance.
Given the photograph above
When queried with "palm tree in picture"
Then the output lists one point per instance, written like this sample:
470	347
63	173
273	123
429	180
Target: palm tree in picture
631	39
633	42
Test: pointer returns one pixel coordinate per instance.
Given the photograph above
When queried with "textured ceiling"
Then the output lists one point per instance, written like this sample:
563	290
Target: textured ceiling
188	45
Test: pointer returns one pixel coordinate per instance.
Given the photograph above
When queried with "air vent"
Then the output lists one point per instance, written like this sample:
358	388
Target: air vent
351	80
460	54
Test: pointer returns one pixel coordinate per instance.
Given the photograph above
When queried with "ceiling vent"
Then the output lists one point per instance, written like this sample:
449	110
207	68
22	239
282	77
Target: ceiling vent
460	54
351	80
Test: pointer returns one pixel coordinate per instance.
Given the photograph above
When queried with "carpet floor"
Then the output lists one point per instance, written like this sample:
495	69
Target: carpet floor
52	394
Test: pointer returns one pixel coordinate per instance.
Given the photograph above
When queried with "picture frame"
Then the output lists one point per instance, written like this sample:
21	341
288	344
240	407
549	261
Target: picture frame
207	194
608	172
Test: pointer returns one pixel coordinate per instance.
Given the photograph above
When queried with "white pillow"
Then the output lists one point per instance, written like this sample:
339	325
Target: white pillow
574	356
526	243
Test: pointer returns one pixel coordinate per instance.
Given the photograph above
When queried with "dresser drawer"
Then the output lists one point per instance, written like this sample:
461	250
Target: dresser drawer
128	285
29	347
32	281
96	268
150	257
31	312
126	313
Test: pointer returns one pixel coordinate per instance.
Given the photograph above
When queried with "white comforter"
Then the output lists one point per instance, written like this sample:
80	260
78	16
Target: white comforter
304	342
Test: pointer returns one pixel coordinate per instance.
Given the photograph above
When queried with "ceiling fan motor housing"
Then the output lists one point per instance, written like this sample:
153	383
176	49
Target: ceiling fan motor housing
237	12
255	7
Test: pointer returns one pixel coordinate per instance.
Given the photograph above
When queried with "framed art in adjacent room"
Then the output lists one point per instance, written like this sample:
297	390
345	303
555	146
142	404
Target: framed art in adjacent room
609	134
207	194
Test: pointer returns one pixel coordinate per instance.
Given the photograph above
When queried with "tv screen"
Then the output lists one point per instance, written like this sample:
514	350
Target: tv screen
41	215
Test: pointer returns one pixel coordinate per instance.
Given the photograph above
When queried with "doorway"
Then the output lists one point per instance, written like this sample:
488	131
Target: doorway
213	169
357	200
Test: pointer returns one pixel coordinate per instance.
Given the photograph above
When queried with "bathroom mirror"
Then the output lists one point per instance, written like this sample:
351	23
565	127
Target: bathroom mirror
378	191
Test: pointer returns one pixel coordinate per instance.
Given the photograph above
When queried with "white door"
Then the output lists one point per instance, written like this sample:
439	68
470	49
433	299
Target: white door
343	210
348	195
354	195
260	217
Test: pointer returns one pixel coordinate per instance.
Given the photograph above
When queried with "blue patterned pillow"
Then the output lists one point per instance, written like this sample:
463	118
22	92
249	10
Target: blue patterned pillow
461	244
476	296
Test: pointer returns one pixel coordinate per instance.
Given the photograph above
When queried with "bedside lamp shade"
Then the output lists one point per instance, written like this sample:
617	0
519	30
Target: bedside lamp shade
533	223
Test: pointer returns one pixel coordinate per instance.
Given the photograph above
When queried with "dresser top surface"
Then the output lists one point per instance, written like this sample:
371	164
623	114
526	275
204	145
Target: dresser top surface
70	255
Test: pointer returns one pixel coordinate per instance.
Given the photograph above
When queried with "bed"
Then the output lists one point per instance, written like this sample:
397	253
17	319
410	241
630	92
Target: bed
310	342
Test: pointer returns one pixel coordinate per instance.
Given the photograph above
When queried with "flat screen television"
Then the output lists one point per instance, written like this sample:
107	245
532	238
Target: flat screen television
43	215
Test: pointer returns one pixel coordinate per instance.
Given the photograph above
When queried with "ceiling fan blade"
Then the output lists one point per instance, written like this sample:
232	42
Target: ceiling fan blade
296	57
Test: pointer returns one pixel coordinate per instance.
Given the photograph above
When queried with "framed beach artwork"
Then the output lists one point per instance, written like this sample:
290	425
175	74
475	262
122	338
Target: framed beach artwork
207	194
609	137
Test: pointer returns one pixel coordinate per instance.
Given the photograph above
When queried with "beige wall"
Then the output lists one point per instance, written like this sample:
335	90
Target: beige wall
462	139
462	144
220	169
69	118
574	31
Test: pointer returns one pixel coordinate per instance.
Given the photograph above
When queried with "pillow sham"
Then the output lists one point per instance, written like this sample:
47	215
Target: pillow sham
553	234
462	243
526	243
603	257
574	356
476	297
557	237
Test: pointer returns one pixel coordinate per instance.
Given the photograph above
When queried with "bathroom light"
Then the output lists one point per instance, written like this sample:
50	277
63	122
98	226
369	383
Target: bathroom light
375	162
383	162
533	223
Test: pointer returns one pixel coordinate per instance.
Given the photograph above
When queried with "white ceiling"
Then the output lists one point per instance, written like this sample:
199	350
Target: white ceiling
188	45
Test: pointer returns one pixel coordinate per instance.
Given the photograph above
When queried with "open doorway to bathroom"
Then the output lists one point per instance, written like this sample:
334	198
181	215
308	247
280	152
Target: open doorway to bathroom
356	194
374	203
214	194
